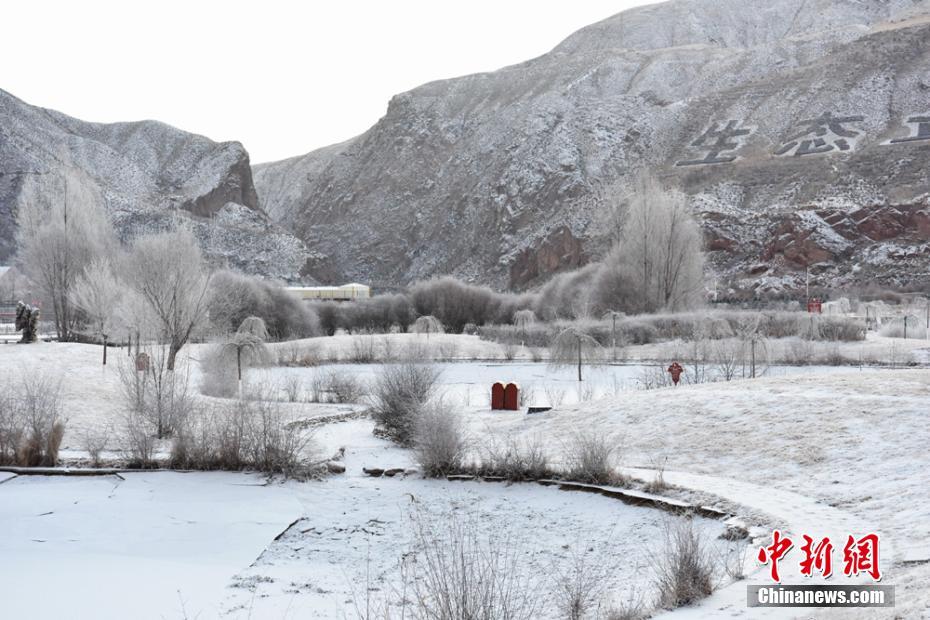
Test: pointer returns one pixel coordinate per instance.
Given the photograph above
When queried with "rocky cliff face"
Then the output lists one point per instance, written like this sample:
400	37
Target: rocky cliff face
145	174
795	126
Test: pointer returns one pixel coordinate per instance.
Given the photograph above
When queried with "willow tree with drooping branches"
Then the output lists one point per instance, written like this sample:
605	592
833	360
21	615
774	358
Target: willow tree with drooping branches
574	346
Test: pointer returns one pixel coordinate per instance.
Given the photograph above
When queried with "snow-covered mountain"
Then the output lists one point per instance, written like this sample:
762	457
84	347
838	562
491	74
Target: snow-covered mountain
145	173
794	125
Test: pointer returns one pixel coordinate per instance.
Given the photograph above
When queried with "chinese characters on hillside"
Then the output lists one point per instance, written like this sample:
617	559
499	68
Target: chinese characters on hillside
716	141
827	133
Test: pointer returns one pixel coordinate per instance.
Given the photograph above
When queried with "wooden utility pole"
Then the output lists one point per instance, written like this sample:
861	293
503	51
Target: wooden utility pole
613	333
579	357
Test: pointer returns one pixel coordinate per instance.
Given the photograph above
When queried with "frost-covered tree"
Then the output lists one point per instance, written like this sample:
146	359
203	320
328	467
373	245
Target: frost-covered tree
427	325
57	238
250	339
167	276
574	346
658	262
454	303
98	294
523	319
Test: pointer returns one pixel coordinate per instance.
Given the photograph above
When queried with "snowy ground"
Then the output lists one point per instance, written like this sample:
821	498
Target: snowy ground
152	545
468	382
854	442
823	452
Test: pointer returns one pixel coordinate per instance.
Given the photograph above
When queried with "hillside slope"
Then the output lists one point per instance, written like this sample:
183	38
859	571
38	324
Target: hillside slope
506	177
145	174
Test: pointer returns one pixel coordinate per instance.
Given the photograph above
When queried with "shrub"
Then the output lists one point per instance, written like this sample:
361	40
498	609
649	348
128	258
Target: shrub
439	440
293	388
448	351
427	325
336	386
516	462
254	435
581	586
632	609
138	440
683	571
895	328
657	484
235	296
400	393
362	350
31	428
304	354
554	394
460	572
218	376
455	303
158	398
591	458
95	442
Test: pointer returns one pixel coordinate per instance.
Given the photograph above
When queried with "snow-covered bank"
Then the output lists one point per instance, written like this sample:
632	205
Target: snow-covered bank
355	530
854	441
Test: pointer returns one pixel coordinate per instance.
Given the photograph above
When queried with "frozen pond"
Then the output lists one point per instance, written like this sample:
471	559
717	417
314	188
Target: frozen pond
541	384
203	545
144	545
357	530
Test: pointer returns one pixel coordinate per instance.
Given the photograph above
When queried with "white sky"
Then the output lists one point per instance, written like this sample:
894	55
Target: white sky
283	77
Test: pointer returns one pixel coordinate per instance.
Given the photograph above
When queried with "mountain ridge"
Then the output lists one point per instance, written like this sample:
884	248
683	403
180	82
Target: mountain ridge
506	177
145	174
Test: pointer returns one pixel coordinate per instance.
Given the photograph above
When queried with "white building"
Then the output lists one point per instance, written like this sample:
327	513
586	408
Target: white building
346	292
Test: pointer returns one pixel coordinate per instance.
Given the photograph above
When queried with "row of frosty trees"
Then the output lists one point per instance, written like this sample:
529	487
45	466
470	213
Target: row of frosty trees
157	284
155	287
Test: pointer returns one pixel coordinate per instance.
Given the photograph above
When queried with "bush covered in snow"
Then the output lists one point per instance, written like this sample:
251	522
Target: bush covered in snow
252	435
684	570
439	440
710	325
400	393
31	424
235	297
592	457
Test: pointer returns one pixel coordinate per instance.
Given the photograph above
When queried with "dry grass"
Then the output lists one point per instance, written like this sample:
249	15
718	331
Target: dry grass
514	461
581	586
31	424
245	435
591	457
457	572
684	572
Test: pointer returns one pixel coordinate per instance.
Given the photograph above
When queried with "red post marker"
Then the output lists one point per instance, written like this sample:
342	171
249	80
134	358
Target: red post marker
675	370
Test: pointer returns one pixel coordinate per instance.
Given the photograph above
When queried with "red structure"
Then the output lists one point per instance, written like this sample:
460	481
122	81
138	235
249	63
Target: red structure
505	397
675	370
511	397
497	396
142	362
815	305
